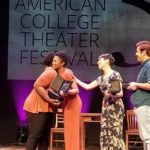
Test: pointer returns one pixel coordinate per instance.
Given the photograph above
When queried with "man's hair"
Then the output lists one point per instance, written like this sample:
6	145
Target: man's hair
108	56
63	56
47	61
144	45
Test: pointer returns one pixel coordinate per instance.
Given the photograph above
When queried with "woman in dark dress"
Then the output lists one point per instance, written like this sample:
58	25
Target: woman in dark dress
111	135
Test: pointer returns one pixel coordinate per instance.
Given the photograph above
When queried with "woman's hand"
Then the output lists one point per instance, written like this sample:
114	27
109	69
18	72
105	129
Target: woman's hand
62	93
108	94
54	102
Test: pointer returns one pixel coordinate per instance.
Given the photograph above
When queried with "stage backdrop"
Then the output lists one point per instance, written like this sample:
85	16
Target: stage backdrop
83	28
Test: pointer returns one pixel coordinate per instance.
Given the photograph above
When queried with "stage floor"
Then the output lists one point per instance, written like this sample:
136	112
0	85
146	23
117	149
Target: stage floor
22	147
12	147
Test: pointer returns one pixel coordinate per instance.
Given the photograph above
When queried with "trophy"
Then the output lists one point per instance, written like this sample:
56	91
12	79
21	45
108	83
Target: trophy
57	85
115	87
125	85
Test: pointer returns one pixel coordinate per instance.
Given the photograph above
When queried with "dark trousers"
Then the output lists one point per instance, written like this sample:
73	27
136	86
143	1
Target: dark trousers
39	129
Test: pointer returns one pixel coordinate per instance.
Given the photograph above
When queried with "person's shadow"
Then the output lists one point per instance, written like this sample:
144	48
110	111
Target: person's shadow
120	61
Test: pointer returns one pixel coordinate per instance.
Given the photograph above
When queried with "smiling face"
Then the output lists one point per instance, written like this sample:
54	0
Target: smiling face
102	63
140	55
57	63
142	51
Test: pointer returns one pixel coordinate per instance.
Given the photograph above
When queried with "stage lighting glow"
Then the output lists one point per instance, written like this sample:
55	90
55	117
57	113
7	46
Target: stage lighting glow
20	90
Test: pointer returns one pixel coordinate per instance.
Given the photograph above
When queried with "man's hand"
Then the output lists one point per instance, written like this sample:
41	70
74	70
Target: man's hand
132	86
